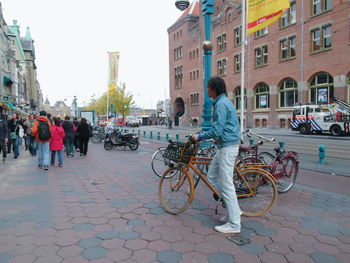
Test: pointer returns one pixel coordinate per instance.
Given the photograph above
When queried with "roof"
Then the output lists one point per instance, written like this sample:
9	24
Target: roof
60	102
193	9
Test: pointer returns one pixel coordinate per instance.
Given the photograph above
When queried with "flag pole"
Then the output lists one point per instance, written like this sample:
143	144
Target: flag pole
242	62
107	85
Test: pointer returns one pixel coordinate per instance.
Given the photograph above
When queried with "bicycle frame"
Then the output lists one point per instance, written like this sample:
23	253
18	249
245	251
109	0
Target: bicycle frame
207	160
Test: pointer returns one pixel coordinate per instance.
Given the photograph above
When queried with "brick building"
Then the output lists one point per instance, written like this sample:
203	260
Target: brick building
302	58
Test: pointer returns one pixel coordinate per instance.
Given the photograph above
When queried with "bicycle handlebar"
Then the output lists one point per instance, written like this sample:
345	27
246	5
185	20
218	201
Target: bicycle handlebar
248	132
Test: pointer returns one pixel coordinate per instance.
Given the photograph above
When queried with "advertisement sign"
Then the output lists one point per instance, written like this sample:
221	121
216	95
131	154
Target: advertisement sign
262	13
263	101
322	95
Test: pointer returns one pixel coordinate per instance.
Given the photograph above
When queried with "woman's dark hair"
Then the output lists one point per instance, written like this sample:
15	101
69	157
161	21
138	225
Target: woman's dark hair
217	84
56	121
83	120
32	114
67	117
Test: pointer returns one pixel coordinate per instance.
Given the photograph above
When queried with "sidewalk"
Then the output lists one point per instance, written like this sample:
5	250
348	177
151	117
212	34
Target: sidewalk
105	208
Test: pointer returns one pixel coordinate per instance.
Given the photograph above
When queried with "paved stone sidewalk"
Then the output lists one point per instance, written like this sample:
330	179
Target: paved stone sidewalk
105	208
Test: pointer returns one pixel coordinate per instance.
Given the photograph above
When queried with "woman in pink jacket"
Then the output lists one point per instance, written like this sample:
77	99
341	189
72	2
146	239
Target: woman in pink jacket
56	144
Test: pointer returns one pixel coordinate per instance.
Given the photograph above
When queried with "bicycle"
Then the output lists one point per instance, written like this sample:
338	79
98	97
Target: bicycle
160	164
283	166
98	135
255	187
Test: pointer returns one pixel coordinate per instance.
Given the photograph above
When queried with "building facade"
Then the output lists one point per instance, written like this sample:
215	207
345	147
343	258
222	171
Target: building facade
302	58
19	87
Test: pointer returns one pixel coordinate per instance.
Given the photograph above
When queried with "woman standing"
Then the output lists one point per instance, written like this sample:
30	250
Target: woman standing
83	135
30	140
13	127
56	144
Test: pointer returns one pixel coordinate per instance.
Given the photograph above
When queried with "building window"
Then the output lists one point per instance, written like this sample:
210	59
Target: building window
221	67
321	6
237	98
290	15
197	52
237	63
287	48
321	88
190	55
221	42
195	99
191	75
262	32
288	93
321	38
261	56
238	35
262	96
197	74
178	77
178	53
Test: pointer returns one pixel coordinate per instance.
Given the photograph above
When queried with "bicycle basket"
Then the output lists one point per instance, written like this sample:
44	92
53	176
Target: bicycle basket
179	152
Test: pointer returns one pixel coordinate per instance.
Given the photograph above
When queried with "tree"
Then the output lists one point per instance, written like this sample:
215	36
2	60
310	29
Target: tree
122	100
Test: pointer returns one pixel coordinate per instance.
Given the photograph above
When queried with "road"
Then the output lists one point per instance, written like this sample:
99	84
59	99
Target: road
307	146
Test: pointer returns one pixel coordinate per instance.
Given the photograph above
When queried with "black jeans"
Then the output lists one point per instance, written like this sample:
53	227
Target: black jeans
3	148
83	144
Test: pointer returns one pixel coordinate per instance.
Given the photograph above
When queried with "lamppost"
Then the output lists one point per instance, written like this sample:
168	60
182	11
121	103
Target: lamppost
207	11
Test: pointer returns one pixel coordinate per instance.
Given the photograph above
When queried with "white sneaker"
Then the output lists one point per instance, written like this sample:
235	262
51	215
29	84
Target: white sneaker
227	229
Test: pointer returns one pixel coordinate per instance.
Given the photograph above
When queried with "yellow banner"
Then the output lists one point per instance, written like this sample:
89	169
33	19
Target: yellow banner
113	66
111	88
262	13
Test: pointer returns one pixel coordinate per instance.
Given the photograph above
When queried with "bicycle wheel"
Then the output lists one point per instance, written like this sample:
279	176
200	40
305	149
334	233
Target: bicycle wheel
267	158
204	168
286	174
175	190
160	164
257	193
96	139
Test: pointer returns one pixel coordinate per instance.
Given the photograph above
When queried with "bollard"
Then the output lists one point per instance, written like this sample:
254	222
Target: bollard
158	136
322	153
177	137
281	146
144	134
151	135
133	130
167	137
139	133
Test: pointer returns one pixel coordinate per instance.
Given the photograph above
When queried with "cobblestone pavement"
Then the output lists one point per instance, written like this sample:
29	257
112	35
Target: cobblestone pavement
104	208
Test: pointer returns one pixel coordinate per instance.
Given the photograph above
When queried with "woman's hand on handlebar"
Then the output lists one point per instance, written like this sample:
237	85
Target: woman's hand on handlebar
195	137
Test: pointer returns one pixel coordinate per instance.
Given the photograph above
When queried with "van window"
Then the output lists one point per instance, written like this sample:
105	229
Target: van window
296	111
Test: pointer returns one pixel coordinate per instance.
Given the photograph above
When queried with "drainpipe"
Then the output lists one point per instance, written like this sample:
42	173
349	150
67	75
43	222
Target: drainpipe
302	65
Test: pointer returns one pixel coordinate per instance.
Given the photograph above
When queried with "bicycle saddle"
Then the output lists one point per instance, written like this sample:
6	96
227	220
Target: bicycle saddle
244	147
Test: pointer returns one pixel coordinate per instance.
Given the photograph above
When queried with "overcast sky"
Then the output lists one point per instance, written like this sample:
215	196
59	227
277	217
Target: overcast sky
72	38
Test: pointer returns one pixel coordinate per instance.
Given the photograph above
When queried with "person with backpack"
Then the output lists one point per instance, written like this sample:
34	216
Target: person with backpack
14	125
69	129
42	130
56	144
84	135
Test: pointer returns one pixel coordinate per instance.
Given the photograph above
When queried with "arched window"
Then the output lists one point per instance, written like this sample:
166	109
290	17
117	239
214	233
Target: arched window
237	98
288	93
262	96
321	88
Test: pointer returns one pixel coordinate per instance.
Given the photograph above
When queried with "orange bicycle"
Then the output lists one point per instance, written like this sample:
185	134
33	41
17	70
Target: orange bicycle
255	187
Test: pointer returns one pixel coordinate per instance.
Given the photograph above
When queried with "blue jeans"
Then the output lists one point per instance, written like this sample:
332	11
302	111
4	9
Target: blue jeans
220	177
43	153
31	144
15	147
59	156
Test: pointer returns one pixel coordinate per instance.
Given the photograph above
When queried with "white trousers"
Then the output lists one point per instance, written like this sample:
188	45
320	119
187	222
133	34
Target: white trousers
220	176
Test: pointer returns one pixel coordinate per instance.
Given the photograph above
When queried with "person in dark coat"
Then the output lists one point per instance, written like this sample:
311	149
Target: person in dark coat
83	135
3	138
76	140
68	128
14	125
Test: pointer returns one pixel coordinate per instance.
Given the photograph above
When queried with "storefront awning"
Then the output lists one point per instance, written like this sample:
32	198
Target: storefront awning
10	105
7	81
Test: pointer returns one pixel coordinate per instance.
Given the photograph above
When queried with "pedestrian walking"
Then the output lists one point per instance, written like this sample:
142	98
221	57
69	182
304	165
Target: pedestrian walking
68	128
83	134
42	133
30	140
14	125
226	132
56	144
76	139
9	141
3	139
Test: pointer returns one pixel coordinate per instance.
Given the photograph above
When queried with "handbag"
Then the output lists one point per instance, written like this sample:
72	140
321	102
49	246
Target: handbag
13	135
